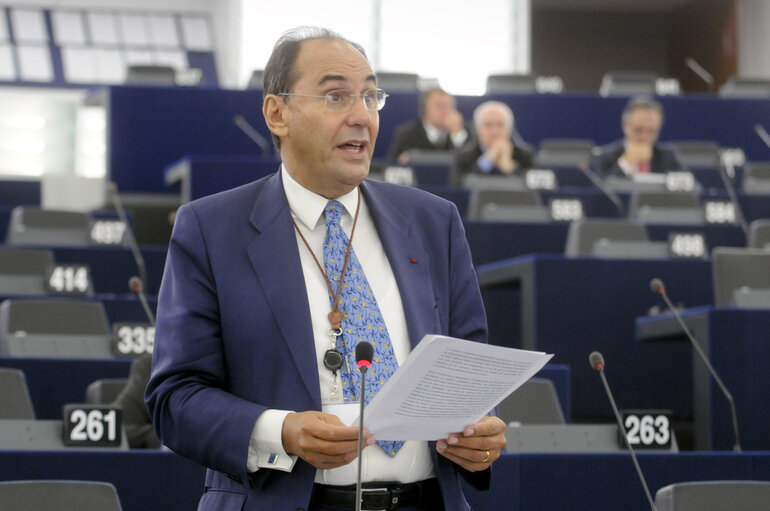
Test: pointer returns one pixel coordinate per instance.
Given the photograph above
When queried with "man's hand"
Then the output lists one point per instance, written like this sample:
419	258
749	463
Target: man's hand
636	153
454	122
321	439
501	154
477	447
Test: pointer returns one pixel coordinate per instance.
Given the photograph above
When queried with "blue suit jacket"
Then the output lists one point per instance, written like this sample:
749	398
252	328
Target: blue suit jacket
234	334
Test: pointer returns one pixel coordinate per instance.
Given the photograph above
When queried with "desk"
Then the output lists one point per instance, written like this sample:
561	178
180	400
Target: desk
146	480
603	482
573	306
19	192
202	175
736	343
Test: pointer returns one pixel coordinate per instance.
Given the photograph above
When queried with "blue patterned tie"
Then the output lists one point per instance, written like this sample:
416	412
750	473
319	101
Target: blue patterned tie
362	320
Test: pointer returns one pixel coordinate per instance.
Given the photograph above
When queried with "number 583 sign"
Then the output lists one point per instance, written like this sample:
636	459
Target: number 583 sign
647	429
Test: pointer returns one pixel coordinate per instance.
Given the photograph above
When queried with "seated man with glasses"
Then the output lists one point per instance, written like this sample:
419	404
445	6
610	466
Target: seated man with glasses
269	288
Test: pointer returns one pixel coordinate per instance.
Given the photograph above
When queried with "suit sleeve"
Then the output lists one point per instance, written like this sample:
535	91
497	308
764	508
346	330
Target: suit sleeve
192	412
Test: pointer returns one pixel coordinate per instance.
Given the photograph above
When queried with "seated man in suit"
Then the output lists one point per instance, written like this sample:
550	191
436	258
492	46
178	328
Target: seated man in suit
494	151
639	152
136	419
258	322
440	127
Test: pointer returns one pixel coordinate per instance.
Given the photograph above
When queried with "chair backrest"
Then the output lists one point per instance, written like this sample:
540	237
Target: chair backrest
665	207
511	83
584	235
48	495
735	269
535	402
697	153
256	78
563	152
23	270
401	82
759	234
756	177
148	74
36	226
54	328
15	402
714	496
742	87
105	390
506	205
626	83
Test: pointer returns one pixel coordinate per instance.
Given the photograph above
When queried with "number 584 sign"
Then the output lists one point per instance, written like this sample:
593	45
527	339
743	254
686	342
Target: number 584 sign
647	429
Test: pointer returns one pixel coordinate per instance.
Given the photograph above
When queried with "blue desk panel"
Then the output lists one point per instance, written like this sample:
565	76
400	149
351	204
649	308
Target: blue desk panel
736	343
571	307
15	192
146	480
603	482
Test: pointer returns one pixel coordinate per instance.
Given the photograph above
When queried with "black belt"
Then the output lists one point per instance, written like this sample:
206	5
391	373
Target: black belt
379	496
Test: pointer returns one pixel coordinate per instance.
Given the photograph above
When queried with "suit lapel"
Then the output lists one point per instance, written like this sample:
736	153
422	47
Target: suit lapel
274	255
409	262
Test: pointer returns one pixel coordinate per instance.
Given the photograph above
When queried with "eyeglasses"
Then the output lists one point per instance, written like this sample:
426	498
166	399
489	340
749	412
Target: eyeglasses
341	100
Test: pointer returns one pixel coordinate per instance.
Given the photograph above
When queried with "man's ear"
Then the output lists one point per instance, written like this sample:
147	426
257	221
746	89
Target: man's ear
275	111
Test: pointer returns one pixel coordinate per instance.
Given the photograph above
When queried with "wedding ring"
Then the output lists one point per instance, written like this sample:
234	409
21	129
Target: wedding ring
486	458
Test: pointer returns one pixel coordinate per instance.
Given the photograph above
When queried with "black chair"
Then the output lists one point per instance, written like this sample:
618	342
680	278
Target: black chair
105	390
511	83
23	271
627	83
149	74
535	402
742	87
741	277
759	234
611	238
398	82
714	496
756	177
507	206
563	152
36	226
54	328
15	402
58	496
697	153
649	207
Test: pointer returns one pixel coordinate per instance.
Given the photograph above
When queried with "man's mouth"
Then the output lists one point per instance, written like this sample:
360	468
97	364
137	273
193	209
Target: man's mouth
354	146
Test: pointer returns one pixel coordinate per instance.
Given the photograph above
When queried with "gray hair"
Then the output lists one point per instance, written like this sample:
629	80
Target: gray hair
280	75
642	103
493	105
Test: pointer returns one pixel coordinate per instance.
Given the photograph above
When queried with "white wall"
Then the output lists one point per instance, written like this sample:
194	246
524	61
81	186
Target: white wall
754	38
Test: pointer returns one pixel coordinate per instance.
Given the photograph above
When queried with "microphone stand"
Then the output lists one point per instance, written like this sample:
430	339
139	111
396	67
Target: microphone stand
362	369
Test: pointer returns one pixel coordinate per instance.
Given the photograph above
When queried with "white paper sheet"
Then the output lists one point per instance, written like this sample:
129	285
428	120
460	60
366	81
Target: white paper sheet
446	384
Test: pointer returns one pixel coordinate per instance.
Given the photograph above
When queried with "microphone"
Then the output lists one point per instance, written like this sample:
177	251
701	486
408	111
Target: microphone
133	245
597	363
658	288
762	132
728	167
700	71
253	134
597	182
364	355
136	285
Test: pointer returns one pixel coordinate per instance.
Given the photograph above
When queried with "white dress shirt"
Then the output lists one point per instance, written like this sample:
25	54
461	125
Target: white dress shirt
437	136
413	462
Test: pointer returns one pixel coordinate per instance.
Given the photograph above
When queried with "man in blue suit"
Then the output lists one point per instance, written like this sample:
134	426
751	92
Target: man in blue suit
241	381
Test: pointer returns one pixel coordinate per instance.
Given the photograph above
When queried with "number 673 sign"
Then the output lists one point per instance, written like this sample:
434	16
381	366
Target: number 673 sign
647	429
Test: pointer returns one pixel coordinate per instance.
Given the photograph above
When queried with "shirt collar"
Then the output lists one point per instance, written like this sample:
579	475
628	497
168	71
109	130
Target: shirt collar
309	206
434	134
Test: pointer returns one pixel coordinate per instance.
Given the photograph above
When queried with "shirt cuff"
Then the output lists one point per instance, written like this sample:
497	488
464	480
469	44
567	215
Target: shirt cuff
459	138
266	446
485	164
626	166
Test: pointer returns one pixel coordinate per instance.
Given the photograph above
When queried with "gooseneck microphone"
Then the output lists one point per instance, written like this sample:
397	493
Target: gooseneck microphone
700	71
597	363
252	133
364	355
597	182
658	288
133	245
762	133
136	286
729	171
